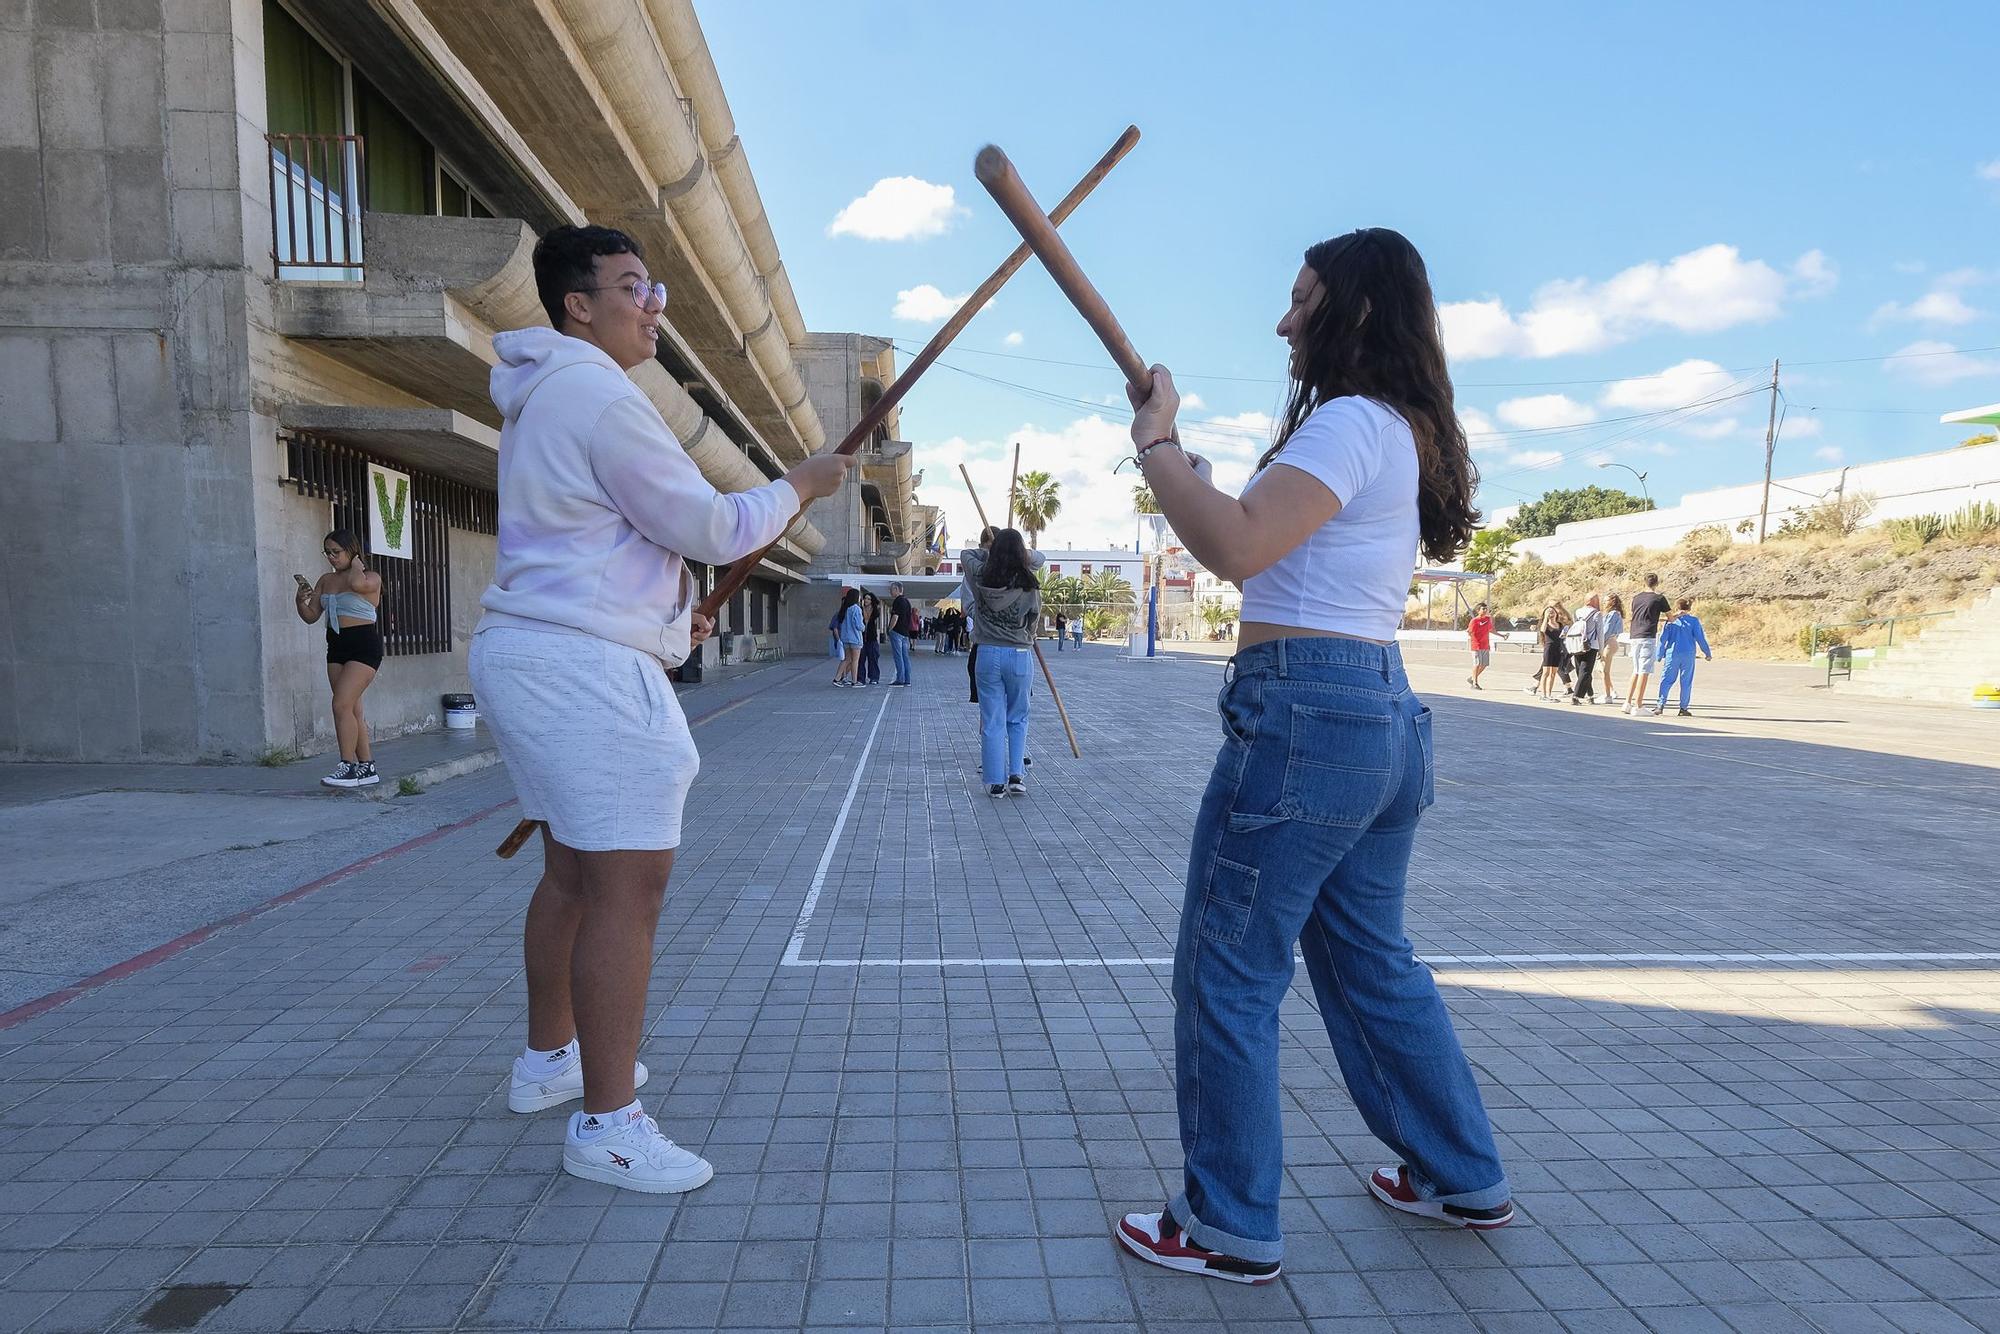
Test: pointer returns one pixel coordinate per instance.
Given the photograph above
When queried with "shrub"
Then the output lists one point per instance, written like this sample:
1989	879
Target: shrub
1829	518
1915	533
1975	520
1829	636
1708	535
277	757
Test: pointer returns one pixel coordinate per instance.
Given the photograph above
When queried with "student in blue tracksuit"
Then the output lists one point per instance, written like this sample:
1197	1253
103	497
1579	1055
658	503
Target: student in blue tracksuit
1680	636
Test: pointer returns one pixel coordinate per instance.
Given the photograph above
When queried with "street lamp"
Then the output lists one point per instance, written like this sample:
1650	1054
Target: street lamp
1636	473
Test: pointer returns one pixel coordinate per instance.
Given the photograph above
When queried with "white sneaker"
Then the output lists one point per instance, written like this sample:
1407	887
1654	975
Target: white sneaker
634	1155
530	1092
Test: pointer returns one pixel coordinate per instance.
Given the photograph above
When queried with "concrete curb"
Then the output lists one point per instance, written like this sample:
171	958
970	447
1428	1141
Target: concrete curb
432	774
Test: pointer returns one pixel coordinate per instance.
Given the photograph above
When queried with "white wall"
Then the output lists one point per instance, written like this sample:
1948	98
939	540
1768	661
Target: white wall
1921	484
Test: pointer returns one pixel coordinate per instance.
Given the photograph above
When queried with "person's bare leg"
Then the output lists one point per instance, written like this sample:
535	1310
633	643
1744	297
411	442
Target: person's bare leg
347	725
362	750
549	942
610	965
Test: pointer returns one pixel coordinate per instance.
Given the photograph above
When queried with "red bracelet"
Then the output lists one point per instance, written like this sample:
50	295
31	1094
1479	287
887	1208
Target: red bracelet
1155	444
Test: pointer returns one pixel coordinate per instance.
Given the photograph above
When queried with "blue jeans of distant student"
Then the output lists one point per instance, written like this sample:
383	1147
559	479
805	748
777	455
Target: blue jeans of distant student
833	643
1677	670
1003	711
1304	838
871	663
899	648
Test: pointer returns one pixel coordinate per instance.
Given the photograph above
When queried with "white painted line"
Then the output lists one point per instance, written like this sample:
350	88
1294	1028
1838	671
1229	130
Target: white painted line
791	958
1461	960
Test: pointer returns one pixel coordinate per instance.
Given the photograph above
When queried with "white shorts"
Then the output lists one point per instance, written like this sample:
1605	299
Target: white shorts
1645	652
591	733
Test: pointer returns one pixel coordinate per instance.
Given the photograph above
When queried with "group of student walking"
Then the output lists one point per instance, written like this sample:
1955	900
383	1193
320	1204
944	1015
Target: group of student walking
1578	645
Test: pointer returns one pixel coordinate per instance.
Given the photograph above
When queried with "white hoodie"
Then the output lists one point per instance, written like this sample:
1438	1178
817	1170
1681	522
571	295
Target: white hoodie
599	503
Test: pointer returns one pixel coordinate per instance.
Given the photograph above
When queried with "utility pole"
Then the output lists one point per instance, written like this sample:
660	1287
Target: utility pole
1770	444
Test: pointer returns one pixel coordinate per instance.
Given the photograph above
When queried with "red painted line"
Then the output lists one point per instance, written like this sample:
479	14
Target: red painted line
139	963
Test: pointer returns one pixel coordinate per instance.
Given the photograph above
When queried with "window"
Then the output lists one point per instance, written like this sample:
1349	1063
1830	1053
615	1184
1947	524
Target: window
402	168
416	593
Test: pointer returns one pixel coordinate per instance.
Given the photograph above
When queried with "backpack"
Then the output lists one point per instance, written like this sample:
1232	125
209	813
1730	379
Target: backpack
1577	637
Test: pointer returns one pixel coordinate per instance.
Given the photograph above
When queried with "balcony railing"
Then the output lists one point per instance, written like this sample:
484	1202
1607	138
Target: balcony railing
318	190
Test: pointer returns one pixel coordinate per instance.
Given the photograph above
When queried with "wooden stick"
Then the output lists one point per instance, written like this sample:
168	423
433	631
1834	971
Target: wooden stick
512	843
1014	484
1047	675
997	174
740	571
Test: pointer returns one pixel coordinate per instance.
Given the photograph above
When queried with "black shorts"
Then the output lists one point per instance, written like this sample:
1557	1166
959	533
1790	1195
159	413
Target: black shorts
357	643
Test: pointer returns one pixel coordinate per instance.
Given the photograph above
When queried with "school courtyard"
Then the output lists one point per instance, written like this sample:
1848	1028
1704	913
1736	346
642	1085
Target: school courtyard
1731	984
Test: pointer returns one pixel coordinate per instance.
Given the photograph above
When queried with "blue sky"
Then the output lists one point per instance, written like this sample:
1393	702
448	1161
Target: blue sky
1601	196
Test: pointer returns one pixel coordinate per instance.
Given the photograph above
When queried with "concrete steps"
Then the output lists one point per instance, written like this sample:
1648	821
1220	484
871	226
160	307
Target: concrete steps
1943	663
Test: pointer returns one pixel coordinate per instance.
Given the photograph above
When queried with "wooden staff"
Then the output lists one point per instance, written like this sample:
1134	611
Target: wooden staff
1047	675
739	573
1013	484
997	174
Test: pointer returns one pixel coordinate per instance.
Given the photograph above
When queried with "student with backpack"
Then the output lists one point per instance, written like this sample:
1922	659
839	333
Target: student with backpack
1584	637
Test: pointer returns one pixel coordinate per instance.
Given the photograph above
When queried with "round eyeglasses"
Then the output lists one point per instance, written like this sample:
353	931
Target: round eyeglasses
644	293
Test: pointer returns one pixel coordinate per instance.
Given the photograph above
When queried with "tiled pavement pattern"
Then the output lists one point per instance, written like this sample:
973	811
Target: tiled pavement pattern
305	1114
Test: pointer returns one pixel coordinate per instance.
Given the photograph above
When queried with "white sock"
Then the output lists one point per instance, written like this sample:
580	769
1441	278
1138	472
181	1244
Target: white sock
594	1124
549	1060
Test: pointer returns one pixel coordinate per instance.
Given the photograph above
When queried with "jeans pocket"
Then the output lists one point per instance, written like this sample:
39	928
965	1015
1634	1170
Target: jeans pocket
1237	706
1426	748
1226	904
1339	769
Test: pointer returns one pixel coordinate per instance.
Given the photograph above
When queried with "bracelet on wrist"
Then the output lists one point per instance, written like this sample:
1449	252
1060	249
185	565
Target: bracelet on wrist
1152	445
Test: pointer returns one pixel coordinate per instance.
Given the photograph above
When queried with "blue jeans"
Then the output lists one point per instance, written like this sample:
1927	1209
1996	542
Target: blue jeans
1060	636
1304	838
1079	639
1677	670
871	663
1003	711
833	643
899	648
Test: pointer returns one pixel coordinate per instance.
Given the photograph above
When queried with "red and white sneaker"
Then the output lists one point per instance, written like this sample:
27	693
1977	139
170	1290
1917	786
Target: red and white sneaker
1158	1239
1391	1187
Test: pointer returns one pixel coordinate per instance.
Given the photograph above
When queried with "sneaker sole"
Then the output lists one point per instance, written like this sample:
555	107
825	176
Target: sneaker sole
1437	1212
340	782
518	1101
611	1176
1189	1264
370	781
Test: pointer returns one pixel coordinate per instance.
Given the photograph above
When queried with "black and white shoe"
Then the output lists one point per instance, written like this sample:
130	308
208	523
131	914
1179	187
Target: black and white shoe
997	790
347	774
1017	786
1158	1239
366	775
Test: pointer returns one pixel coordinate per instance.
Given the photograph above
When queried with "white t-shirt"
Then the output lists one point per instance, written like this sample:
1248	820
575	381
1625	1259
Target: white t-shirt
1352	575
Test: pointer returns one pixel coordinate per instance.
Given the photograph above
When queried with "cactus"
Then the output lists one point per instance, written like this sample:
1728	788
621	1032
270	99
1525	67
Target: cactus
1975	520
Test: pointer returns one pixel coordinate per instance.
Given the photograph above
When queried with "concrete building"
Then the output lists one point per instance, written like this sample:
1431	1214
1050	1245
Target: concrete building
1935	483
251	248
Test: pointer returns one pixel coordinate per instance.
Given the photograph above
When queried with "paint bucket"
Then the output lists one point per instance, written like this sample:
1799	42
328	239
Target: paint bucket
460	712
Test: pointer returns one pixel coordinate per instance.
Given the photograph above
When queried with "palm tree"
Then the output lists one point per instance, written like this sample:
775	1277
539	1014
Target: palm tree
1037	499
1142	499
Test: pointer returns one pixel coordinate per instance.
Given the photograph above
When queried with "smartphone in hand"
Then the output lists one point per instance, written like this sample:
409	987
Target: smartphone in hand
300	580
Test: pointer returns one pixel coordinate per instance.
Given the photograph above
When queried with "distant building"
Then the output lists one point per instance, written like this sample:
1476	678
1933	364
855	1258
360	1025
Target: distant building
251	250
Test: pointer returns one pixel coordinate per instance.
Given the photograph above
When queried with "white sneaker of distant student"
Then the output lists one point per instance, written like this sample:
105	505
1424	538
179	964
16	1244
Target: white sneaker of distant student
632	1153
537	1091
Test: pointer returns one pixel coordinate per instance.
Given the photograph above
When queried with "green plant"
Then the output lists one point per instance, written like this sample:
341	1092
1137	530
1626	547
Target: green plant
1538	518
277	757
1491	552
1037	499
1829	518
1914	533
1142	499
407	786
1746	527
1828	636
1975	520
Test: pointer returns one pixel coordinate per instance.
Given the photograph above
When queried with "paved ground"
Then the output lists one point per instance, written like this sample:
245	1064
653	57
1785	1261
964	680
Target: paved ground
1735	1001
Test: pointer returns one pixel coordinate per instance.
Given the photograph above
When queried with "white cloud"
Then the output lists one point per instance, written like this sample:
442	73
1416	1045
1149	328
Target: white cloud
1240	438
1990	171
1801	428
1930	362
1536	458
1829	454
1544	410
1014	339
1679	384
1660	448
1702	291
1191	402
1482	433
1708	428
1814	274
898	208
925	304
1934	307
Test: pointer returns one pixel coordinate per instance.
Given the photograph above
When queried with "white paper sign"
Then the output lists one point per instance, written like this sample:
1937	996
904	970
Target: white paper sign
389	513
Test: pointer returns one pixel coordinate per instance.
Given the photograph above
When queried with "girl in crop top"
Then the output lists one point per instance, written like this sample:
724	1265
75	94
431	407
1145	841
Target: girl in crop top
1305	833
349	597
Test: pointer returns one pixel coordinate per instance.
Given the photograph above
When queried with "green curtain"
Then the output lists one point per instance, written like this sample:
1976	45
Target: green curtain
399	160
302	83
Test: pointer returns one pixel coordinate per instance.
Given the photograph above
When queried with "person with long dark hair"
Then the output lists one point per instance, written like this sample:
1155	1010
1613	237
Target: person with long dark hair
871	641
849	618
349	595
1006	609
1305	832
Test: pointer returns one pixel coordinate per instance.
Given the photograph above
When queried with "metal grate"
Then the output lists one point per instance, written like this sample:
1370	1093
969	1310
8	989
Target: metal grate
416	593
318	192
